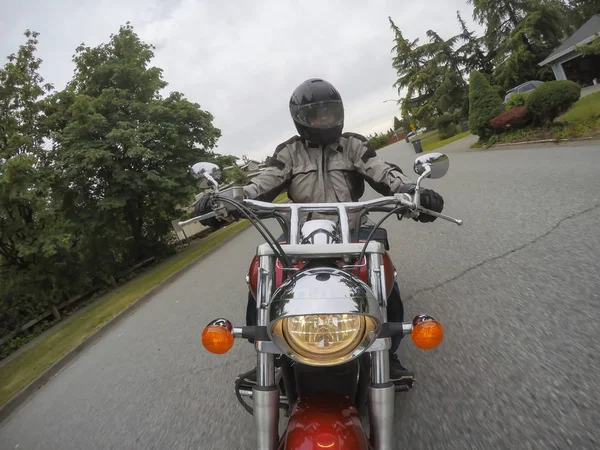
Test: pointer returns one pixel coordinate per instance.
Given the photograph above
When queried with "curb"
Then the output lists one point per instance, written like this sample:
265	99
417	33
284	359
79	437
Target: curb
24	394
542	141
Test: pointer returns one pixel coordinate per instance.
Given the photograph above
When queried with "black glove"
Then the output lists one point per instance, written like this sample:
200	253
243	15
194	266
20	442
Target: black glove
204	206
429	200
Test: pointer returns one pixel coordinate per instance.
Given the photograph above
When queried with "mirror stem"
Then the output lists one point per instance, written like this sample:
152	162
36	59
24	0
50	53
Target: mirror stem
417	196
212	180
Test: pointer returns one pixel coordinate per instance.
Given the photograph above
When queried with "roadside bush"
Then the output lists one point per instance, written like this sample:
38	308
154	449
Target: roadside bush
511	119
551	99
517	100
378	140
447	126
484	104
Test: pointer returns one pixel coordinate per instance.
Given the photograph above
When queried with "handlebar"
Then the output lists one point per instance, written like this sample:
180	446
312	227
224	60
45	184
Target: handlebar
342	209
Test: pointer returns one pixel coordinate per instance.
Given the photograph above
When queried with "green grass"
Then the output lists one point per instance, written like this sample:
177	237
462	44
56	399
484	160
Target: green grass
584	110
30	364
434	144
431	139
281	198
425	136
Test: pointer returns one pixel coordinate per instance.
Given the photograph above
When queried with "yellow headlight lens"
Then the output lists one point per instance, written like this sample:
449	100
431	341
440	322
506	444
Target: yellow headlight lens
324	337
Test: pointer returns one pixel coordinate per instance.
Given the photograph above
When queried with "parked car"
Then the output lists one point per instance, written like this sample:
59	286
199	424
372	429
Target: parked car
528	86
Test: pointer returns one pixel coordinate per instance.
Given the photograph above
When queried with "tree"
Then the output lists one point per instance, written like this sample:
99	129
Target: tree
397	123
433	73
500	18
592	48
580	11
484	104
472	53
35	256
410	62
125	150
445	62
536	35
519	35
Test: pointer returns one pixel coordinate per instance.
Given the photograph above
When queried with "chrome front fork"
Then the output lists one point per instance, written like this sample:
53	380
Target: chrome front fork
265	394
381	390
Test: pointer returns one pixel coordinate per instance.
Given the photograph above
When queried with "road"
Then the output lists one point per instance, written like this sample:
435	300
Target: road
517	288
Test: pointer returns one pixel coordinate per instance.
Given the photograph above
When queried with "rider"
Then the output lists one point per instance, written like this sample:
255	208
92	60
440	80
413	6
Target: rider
324	165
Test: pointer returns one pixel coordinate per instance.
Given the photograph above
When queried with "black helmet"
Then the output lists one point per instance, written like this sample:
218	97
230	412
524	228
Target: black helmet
318	112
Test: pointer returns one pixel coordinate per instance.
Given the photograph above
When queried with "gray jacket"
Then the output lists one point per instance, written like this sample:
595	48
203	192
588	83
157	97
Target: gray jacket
336	173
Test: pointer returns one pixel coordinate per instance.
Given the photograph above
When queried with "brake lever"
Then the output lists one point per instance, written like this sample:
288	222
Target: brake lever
441	216
198	218
406	200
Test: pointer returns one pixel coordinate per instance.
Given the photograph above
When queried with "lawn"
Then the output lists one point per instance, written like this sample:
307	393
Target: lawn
281	198
586	109
433	144
425	136
431	139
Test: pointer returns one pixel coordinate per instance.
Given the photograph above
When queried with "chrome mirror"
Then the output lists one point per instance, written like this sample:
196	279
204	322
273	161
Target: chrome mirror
437	162
207	173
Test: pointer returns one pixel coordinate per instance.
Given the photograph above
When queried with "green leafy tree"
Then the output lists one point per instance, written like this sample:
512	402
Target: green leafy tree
484	104
592	48
236	175
35	245
123	149
397	123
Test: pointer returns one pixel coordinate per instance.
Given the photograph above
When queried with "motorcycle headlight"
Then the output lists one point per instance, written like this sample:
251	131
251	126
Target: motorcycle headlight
324	338
324	317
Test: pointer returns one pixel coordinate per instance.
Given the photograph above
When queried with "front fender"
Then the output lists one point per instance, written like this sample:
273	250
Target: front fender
324	422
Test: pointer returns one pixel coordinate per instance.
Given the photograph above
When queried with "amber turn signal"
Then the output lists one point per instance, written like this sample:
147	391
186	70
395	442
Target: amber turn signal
217	339
427	334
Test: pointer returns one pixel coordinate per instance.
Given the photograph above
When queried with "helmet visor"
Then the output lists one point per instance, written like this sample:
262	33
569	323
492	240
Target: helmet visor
326	114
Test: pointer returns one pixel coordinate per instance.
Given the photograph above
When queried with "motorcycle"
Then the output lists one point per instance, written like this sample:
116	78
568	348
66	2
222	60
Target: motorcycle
322	336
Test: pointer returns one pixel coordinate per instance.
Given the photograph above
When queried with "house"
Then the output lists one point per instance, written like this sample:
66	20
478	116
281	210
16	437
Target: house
568	64
251	168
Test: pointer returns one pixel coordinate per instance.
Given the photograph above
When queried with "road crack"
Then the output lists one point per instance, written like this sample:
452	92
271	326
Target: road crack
503	255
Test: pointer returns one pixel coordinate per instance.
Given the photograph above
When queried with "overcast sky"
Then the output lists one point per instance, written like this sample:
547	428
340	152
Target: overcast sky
242	59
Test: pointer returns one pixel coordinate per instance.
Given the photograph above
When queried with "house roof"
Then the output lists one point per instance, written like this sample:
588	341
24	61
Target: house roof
582	36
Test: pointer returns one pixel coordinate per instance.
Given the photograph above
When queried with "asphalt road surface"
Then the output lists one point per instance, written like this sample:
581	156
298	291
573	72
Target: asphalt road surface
517	288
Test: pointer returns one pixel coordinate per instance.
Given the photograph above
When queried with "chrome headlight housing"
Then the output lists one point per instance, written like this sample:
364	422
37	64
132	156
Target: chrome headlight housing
324	317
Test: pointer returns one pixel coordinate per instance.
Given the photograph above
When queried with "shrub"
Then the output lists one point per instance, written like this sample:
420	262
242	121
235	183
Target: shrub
517	100
448	132
445	120
510	119
446	125
484	104
551	99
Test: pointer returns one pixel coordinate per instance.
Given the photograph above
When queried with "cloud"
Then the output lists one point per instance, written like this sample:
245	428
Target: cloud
241	60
